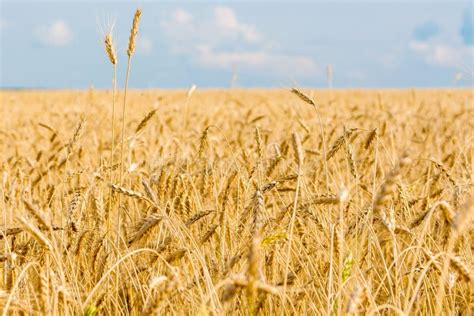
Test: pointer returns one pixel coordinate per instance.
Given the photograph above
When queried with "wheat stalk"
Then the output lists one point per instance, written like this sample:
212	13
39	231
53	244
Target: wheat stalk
130	51
110	50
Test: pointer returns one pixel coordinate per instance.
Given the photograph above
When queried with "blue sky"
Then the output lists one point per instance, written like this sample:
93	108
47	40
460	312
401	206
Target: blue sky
259	44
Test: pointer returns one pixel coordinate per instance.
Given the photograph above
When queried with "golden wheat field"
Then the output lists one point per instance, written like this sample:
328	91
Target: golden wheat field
237	202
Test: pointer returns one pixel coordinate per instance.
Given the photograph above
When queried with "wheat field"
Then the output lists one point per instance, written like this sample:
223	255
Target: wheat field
238	202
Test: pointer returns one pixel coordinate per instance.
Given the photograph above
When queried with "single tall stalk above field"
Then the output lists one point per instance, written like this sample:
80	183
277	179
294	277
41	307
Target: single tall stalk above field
110	50
130	51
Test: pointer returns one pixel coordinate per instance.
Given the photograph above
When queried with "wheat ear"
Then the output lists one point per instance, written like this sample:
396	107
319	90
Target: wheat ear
311	102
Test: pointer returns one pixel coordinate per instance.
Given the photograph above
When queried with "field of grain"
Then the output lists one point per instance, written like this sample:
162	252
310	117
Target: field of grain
237	202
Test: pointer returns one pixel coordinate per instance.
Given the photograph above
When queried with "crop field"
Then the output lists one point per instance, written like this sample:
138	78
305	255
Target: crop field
290	201
237	202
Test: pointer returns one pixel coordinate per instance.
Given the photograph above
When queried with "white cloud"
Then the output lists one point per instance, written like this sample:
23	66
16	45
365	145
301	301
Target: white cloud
183	30
180	31
225	17
181	16
144	45
444	55
227	21
258	59
224	42
444	49
58	33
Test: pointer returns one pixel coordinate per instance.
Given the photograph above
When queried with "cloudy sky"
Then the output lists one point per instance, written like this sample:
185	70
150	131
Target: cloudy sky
250	44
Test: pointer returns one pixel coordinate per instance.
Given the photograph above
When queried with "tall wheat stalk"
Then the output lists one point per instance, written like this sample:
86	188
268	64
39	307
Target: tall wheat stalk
130	51
110	50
